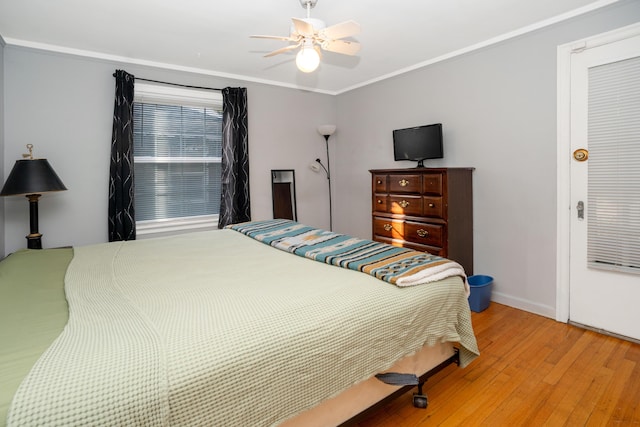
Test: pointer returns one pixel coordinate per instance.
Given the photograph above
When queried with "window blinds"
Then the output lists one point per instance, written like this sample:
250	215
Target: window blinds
177	153
613	208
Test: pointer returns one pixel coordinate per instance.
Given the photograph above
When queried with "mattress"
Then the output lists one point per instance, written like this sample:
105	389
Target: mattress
179	331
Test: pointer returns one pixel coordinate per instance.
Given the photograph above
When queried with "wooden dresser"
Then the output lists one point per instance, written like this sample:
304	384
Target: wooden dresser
427	209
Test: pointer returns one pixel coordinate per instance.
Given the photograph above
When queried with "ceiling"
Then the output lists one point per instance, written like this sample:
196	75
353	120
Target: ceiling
212	36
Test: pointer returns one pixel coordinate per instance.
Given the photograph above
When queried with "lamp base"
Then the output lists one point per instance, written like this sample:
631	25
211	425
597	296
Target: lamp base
34	241
34	238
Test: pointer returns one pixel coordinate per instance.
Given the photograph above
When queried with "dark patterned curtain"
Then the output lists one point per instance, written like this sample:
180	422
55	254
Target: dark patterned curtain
234	204
122	223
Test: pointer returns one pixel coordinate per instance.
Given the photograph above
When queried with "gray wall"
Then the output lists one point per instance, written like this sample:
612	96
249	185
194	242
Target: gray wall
64	105
498	109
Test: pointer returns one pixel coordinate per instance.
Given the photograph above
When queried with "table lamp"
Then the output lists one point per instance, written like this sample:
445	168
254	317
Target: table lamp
31	177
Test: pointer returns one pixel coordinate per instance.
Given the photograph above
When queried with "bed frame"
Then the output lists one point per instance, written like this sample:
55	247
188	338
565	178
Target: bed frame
363	399
420	399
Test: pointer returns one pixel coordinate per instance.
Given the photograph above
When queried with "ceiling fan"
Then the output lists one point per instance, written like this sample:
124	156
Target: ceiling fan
311	35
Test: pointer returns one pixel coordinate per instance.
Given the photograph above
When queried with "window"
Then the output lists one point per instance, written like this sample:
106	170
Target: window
613	232
177	137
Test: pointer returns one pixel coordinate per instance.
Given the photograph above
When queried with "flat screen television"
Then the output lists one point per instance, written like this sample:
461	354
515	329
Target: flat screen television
418	143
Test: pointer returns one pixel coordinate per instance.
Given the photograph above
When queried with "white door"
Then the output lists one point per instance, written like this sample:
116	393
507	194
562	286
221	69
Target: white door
604	289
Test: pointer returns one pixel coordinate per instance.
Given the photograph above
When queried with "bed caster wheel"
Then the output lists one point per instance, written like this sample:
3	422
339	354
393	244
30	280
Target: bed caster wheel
420	401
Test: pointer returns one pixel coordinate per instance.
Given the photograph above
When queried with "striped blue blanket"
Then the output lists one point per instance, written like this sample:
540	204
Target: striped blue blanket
399	266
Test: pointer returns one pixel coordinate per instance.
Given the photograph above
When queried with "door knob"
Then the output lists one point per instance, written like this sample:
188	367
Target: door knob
581	154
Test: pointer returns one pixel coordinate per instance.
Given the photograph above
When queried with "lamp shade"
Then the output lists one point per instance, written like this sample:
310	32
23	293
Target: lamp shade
314	166
32	176
326	130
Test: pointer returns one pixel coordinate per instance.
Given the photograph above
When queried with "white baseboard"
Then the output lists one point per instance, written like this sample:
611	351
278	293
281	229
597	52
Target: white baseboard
522	304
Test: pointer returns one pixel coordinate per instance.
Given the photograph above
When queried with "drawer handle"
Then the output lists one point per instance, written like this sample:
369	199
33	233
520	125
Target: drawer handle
404	203
379	201
403	183
422	233
387	227
378	182
432	205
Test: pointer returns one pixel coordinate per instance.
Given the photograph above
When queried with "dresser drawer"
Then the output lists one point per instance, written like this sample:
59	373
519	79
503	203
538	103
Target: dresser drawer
380	183
414	232
380	203
423	233
405	204
405	183
415	246
393	229
433	207
432	183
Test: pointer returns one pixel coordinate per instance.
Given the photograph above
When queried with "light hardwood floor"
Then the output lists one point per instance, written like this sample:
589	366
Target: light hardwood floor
532	371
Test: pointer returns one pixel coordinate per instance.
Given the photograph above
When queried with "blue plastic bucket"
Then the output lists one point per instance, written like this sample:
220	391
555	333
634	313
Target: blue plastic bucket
480	296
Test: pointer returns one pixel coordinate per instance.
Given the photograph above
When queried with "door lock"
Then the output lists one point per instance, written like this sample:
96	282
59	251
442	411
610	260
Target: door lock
580	209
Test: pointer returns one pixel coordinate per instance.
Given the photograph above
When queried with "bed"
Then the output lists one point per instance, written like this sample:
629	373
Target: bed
212	328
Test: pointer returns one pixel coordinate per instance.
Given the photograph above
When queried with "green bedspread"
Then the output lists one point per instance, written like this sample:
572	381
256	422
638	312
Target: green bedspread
215	328
33	312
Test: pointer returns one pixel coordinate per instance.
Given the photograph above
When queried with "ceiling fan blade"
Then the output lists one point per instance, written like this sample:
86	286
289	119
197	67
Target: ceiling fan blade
341	46
282	50
288	39
341	30
302	27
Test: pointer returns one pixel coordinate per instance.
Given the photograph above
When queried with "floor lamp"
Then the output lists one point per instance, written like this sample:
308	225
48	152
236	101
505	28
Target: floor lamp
327	131
31	177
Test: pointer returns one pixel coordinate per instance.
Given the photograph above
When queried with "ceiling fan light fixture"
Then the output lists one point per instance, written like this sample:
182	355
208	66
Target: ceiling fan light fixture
313	36
307	59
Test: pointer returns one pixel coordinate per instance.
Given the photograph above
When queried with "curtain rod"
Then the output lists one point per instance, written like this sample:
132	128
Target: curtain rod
174	84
